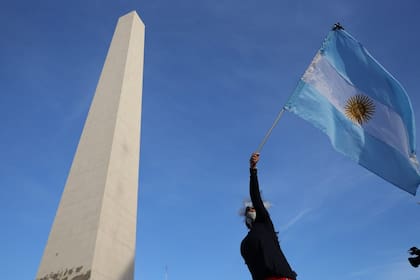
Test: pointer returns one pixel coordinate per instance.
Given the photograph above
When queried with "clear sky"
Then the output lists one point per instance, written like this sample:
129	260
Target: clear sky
216	73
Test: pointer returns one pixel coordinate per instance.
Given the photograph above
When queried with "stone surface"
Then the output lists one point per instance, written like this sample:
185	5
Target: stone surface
94	232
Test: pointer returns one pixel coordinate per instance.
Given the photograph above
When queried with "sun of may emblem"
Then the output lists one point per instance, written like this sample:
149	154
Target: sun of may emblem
359	108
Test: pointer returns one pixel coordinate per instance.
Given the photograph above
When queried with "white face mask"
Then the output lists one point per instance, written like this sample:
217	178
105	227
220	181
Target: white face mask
251	214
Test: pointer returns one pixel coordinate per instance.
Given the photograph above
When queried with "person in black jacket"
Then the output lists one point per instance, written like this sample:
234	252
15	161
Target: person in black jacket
260	248
414	261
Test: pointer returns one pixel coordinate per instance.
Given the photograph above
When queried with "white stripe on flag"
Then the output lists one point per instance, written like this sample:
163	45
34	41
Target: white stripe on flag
386	125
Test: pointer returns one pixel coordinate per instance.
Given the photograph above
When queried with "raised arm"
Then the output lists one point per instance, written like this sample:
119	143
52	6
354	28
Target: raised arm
254	191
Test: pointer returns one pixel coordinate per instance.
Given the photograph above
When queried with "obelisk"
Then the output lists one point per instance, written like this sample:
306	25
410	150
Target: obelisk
93	235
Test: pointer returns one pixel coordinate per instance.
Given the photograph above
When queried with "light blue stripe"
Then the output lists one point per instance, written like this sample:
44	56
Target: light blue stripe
351	140
389	164
357	66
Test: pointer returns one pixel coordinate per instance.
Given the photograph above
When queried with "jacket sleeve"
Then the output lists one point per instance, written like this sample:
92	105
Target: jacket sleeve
254	191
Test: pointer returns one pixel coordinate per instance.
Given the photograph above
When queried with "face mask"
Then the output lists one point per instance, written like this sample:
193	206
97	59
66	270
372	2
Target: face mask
251	215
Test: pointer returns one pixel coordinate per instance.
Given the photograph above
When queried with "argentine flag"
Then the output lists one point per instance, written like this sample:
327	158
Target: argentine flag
362	108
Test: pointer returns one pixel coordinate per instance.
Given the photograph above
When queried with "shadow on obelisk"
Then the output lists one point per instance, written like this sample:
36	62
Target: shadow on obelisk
128	273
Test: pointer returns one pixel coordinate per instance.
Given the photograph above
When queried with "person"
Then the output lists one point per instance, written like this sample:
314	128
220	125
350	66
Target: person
414	261
260	248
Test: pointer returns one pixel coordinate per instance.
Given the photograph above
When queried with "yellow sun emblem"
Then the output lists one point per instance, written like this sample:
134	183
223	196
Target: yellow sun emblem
359	108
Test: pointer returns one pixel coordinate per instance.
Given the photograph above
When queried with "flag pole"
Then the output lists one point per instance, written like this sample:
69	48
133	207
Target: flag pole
267	135
335	27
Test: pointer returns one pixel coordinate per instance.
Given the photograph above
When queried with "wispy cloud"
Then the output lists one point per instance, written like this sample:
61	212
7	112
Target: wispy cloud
295	219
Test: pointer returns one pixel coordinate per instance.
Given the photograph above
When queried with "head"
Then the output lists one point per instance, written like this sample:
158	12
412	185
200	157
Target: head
249	212
250	216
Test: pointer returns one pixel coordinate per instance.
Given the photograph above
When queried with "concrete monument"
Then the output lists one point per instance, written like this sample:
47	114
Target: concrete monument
94	231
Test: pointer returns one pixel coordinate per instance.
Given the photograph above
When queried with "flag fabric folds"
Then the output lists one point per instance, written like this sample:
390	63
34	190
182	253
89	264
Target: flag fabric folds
362	108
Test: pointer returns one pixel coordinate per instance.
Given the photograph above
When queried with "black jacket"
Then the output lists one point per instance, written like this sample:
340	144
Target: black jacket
260	248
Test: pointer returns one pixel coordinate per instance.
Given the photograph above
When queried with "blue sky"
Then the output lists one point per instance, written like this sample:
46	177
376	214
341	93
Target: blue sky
216	73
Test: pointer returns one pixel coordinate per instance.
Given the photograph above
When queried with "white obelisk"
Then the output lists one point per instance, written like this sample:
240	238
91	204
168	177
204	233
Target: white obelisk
94	232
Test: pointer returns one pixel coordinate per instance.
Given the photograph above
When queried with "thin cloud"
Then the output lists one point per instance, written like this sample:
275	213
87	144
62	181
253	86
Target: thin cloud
295	219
